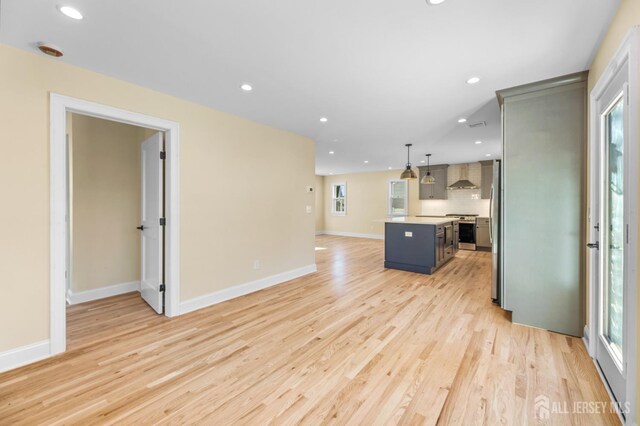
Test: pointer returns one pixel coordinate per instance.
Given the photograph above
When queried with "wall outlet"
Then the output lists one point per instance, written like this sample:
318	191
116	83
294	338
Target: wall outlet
256	264
308	209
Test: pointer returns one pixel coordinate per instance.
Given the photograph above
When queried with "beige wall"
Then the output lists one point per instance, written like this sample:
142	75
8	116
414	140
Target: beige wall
106	202
628	15
367	203
228	218
319	210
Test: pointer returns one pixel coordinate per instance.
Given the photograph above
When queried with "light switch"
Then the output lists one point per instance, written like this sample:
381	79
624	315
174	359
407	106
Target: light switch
308	209
408	234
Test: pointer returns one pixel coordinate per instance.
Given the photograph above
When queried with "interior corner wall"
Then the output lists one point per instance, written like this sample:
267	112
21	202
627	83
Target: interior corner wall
228	218
319	206
367	202
627	16
105	164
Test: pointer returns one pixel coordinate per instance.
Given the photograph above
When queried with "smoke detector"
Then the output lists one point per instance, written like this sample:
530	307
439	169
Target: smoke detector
50	49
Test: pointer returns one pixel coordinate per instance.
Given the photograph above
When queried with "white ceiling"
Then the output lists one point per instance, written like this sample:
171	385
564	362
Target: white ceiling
384	72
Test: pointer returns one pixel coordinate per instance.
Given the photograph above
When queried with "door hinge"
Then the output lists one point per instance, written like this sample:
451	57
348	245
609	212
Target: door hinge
163	155
162	287
163	221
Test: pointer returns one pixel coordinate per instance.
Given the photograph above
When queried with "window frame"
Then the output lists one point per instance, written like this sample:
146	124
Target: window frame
389	197
334	199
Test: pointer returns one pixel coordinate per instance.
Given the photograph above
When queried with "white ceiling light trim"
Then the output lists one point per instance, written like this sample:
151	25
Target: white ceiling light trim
435	2
324	119
246	87
473	80
71	12
462	120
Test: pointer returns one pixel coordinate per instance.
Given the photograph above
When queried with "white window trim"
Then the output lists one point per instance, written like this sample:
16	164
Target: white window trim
333	199
406	197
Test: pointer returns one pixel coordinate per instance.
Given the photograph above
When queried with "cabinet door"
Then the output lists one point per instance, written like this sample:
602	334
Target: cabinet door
486	179
440	187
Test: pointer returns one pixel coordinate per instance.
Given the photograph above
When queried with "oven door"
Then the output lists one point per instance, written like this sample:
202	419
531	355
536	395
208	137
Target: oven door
467	236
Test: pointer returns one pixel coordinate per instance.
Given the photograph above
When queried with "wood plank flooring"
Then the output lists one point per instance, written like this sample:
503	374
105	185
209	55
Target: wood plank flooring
351	344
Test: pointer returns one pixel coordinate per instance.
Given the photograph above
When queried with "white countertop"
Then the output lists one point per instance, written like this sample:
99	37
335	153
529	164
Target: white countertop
421	220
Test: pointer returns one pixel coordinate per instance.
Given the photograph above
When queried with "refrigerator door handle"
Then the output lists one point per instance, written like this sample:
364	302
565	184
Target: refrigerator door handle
491	215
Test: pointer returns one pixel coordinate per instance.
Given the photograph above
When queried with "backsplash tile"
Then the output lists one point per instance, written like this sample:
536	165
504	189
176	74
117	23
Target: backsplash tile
465	201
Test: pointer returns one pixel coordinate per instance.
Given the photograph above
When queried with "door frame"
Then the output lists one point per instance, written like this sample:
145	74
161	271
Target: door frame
59	237
627	55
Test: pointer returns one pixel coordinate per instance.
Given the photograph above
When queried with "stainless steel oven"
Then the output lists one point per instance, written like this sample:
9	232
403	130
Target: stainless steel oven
466	231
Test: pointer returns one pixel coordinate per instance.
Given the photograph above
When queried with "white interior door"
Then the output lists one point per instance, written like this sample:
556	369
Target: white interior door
612	217
151	284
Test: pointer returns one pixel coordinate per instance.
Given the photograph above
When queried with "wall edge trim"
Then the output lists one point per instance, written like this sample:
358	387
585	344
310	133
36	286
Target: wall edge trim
73	298
223	295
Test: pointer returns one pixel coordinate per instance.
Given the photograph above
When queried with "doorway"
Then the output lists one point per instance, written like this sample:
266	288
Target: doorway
162	236
613	225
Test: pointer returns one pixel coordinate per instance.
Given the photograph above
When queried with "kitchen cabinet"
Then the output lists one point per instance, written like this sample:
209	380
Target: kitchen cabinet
456	236
437	191
483	233
419	244
486	178
544	128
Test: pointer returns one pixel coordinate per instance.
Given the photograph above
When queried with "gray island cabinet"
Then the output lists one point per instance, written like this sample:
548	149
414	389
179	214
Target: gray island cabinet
419	244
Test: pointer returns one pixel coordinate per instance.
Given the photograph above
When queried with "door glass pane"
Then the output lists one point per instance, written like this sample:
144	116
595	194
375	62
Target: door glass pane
614	253
398	201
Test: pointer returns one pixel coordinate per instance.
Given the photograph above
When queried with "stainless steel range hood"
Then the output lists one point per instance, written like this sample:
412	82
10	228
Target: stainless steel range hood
463	182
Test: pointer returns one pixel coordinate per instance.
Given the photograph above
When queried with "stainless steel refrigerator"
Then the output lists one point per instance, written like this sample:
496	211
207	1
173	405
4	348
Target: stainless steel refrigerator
494	227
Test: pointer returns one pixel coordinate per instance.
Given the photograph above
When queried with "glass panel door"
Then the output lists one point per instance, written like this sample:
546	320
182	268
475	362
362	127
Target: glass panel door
613	291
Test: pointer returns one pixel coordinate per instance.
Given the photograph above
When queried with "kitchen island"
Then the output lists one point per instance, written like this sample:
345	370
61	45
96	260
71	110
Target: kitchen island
419	244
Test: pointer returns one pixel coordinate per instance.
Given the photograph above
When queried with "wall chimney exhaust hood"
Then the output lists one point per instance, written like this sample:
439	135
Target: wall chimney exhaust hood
463	182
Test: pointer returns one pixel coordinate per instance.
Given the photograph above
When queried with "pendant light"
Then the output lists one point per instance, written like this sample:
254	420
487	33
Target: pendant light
408	173
428	179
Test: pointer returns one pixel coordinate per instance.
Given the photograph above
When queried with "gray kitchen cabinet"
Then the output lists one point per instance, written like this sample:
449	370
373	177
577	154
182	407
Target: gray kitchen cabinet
486	179
437	191
483	233
544	127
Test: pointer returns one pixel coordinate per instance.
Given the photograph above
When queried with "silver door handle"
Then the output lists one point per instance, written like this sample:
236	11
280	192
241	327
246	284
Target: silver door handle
491	215
595	245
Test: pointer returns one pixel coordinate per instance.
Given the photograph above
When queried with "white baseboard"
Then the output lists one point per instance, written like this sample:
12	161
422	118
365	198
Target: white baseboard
242	289
24	355
319	232
353	234
585	338
102	292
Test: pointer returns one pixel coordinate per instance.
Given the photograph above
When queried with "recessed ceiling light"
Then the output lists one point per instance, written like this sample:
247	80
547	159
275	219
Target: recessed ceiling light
487	155
366	161
324	119
478	142
71	12
434	2
330	173
331	152
473	80
246	87
390	168
462	120
422	161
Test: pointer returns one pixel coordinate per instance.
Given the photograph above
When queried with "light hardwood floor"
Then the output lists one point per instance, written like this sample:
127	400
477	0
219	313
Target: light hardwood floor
351	344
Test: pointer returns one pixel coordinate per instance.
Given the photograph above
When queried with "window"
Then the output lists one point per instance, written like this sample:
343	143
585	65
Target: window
339	199
398	198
